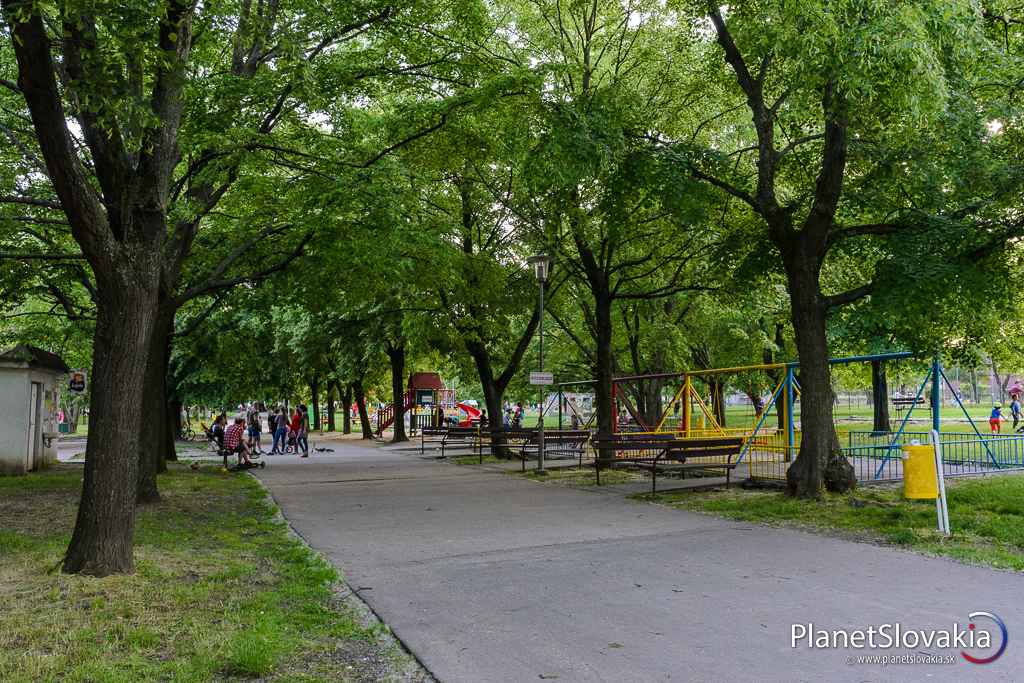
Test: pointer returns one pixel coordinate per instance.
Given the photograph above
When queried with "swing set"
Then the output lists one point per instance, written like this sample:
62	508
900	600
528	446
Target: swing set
770	445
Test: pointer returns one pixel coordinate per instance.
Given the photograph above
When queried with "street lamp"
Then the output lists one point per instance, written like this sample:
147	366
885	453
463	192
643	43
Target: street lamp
540	264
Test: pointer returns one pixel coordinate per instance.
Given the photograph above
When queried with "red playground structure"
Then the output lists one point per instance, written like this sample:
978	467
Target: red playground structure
424	394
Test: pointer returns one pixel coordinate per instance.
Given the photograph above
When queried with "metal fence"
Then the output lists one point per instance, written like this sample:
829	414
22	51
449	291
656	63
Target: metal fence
877	456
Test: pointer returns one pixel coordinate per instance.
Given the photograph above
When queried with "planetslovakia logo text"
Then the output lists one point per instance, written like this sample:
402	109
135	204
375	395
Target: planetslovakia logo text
959	636
1002	646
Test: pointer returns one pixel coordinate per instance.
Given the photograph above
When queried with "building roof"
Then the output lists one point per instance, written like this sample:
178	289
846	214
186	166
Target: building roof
34	357
426	380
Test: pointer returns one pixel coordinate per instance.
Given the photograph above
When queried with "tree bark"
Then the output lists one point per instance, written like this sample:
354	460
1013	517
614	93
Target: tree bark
364	417
493	393
717	387
157	443
755	400
174	418
396	356
332	388
346	405
880	397
776	375
101	543
652	403
603	371
819	460
314	392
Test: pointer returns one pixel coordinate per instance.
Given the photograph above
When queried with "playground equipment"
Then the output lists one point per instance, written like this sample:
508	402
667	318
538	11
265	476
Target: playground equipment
425	393
771	440
471	414
575	405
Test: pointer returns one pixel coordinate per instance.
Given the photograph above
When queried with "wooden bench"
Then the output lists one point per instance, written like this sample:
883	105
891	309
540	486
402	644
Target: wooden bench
652	451
434	434
558	443
902	403
512	438
458	435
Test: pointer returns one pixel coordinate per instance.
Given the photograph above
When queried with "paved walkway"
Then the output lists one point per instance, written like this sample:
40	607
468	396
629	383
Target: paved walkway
487	577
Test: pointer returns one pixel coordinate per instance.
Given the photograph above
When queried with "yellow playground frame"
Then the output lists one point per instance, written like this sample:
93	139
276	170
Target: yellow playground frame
765	446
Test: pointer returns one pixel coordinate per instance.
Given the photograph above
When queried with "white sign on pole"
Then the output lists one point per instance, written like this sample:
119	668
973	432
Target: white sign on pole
541	378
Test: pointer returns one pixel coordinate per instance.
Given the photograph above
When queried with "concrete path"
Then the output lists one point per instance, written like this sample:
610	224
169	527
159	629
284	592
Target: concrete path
487	577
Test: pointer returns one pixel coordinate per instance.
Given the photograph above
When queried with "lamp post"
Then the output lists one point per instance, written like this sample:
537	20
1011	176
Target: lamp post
540	263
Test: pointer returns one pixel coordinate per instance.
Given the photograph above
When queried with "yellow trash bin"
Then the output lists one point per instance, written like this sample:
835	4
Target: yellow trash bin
919	476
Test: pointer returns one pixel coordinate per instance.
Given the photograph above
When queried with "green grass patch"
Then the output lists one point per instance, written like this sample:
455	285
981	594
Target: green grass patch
574	476
475	460
986	516
221	590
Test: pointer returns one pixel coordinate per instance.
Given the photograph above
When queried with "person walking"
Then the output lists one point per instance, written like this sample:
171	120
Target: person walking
1015	411
995	418
252	420
280	431
293	430
302	440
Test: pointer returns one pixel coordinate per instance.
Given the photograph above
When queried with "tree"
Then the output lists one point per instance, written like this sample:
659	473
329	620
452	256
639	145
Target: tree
126	78
615	218
824	83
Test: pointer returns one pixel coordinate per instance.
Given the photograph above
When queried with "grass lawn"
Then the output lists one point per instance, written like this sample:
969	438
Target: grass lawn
575	476
986	516
221	590
475	460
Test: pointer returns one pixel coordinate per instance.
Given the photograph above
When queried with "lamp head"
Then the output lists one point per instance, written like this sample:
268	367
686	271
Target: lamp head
539	263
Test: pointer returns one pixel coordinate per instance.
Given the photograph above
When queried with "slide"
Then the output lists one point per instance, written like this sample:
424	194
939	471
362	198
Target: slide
471	415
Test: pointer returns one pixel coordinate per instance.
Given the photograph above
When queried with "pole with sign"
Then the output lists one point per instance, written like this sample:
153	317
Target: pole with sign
540	270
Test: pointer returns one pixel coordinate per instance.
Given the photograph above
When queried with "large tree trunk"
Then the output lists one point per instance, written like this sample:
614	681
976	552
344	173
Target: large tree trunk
880	397
492	396
120	224
346	405
102	540
648	395
157	443
603	371
396	355
314	392
717	387
332	388
364	417
819	459
495	420
755	400
174	418
776	375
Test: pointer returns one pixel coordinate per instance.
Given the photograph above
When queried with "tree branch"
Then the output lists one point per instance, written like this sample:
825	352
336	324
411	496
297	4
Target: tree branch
846	232
30	201
28	256
214	285
849	296
39	86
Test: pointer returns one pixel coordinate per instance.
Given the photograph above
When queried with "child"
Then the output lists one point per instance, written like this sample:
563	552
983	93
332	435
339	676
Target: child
995	418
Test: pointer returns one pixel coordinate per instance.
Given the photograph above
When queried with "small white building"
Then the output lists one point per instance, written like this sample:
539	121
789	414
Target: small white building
29	386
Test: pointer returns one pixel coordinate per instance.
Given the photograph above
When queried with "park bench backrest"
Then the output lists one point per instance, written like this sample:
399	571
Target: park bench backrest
462	431
636	447
566	436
